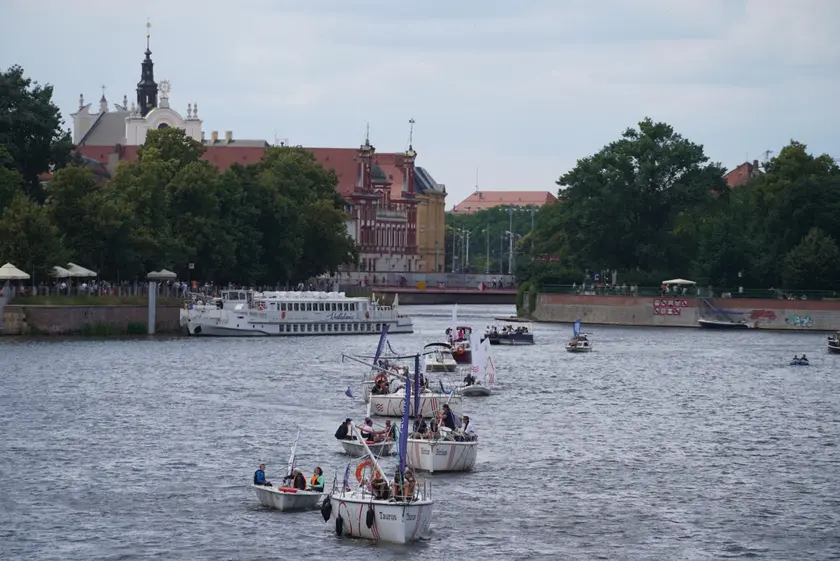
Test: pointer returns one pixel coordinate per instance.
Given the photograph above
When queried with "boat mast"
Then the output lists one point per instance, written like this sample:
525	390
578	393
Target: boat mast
292	457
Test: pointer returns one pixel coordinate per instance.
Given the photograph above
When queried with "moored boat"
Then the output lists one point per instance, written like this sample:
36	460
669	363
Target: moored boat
247	313
834	344
397	511
719	324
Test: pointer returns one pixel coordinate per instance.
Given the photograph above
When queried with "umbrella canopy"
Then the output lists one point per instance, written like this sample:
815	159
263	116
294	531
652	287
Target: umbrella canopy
163	274
10	272
79	272
60	272
678	281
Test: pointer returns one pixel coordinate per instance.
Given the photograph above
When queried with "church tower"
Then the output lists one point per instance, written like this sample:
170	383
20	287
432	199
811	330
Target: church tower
147	89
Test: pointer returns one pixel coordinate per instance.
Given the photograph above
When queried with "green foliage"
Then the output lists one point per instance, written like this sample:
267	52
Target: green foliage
651	207
487	231
28	238
30	129
814	263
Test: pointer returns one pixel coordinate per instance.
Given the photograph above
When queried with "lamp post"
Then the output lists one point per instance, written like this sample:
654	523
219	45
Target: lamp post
487	266
466	265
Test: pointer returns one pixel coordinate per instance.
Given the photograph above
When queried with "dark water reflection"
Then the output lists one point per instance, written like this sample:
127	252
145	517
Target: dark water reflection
661	444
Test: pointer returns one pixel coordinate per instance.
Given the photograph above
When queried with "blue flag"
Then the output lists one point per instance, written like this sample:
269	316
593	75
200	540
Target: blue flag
347	478
576	328
383	338
404	429
347	392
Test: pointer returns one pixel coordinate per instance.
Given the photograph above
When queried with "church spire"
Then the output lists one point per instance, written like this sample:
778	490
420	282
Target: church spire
147	89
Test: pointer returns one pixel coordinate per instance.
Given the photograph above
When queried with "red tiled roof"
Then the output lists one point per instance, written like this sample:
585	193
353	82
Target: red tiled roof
482	200
742	174
220	156
345	163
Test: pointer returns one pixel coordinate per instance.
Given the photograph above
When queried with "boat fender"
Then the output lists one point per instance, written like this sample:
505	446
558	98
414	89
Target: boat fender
339	525
370	517
326	509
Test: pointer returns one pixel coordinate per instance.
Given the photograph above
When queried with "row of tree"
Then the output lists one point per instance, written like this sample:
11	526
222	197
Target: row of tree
480	242
652	206
276	222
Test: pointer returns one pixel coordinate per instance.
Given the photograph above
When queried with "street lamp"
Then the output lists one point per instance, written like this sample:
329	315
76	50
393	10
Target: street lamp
487	265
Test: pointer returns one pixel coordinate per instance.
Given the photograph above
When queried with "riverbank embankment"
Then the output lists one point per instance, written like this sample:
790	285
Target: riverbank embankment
646	311
87	320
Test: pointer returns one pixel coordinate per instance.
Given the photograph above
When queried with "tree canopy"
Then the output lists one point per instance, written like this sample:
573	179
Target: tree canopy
276	222
651	206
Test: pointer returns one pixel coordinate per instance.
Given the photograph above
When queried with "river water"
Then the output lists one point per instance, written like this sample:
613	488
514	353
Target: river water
660	444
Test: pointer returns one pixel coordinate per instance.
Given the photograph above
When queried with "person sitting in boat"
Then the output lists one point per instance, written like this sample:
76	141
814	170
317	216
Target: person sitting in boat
398	486
420	427
297	479
367	429
259	477
804	358
343	431
379	488
448	417
390	431
467	429
316	483
469	379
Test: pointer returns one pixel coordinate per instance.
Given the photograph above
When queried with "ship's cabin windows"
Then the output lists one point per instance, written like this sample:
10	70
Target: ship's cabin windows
295	306
234	295
320	306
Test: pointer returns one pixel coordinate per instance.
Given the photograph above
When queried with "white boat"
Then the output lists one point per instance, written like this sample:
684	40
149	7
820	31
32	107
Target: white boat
438	358
241	313
482	371
393	404
356	449
403	515
722	324
441	455
579	342
286	498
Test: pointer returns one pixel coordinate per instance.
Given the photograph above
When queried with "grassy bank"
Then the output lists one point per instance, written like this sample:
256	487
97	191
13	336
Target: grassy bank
87	300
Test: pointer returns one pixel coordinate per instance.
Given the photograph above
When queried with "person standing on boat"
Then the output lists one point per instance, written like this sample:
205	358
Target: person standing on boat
343	432
317	481
259	476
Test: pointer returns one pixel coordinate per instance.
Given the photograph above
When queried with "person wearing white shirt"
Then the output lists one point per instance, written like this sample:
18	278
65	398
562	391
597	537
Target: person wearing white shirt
468	429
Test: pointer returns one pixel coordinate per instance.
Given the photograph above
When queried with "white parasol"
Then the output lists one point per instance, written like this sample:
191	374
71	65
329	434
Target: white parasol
10	272
79	272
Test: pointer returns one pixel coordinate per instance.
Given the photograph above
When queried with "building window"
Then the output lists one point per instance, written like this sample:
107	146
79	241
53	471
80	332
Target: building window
163	126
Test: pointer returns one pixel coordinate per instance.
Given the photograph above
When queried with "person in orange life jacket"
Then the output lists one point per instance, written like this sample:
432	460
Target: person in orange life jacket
448	417
343	432
297	479
316	483
259	477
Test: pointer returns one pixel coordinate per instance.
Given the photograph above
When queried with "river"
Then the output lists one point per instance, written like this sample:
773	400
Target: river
660	444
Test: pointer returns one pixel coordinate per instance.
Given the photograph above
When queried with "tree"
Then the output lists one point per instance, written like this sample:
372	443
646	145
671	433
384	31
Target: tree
28	238
172	144
11	183
620	205
814	263
30	129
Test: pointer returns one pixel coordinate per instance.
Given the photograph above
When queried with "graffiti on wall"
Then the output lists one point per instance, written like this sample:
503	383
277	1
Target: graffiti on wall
668	307
763	314
799	321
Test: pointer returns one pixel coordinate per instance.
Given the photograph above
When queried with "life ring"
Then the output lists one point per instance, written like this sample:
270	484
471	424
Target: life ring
283	315
360	469
379	377
459	350
367	315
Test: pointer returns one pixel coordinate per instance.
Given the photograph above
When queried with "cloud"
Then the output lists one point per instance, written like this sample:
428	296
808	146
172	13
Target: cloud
518	89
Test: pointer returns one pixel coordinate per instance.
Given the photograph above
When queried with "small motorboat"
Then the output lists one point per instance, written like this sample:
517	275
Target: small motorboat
800	361
834	344
357	449
718	324
509	335
287	498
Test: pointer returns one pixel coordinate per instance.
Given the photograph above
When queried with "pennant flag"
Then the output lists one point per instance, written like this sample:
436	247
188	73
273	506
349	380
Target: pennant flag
576	329
347	392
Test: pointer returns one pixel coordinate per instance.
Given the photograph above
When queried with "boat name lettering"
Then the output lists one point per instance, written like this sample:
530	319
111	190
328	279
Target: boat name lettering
441	453
340	315
383	516
424	452
668	307
410	516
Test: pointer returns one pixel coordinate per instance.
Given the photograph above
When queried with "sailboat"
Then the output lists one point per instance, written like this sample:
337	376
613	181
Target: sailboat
397	511
482	372
287	498
444	450
459	337
578	343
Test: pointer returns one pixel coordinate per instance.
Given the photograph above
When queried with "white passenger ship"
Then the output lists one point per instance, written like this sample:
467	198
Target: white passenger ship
241	313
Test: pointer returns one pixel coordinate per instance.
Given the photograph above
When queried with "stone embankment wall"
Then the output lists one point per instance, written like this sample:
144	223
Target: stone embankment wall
66	320
808	315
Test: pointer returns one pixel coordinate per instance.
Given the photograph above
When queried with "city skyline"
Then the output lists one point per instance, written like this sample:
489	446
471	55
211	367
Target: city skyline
505	95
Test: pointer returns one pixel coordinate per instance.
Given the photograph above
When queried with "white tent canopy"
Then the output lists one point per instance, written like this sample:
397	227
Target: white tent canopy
163	274
681	282
79	272
10	272
60	272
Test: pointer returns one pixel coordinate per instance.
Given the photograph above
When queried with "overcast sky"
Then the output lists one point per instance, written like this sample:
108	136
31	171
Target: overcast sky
518	90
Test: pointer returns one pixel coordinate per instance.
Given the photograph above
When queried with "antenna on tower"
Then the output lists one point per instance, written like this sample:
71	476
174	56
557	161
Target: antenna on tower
410	133
476	180
367	133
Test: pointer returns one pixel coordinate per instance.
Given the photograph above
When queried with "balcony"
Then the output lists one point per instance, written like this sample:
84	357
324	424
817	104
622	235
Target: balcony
392	215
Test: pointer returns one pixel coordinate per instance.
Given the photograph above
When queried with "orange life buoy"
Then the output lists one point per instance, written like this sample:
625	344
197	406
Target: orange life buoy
283	315
379	377
459	351
360	469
